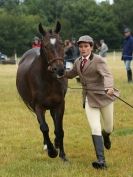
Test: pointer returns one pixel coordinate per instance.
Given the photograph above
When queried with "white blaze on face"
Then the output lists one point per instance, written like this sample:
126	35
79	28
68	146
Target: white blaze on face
53	41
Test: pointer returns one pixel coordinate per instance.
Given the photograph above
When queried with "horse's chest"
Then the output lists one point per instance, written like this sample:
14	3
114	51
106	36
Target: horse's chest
51	96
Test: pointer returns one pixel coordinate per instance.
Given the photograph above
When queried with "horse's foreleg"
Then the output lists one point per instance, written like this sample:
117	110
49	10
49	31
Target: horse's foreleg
59	140
59	133
52	152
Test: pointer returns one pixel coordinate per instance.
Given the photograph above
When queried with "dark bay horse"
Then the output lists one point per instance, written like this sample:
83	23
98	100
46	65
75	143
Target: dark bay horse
41	86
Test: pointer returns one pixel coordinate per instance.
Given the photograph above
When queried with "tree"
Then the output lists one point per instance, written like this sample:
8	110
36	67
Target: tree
16	33
124	11
19	20
86	17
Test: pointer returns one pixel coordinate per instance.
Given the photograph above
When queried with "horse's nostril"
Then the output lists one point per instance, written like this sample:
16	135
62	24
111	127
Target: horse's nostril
55	69
61	72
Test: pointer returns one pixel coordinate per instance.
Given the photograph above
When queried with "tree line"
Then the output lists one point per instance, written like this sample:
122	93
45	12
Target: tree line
19	21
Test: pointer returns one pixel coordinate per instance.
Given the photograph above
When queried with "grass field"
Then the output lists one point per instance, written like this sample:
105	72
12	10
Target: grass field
21	148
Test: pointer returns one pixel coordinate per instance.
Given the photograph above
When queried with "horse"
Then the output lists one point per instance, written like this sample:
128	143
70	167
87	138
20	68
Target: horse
42	86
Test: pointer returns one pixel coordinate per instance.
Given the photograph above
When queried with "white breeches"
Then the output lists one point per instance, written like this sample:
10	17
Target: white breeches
93	116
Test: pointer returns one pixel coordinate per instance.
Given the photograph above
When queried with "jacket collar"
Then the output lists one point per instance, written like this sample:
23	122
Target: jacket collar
91	57
88	63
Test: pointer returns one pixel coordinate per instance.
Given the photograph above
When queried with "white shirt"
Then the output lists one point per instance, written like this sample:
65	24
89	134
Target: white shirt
87	57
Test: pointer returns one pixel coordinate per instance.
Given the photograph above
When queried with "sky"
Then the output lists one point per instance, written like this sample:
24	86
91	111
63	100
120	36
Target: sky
111	1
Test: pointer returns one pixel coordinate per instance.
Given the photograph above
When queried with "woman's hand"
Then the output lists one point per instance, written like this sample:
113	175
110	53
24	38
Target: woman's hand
109	91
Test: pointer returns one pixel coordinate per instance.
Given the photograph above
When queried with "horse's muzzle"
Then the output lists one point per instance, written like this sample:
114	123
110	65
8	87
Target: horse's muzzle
59	71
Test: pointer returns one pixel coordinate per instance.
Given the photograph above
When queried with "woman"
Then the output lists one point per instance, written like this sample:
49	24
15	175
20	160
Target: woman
97	83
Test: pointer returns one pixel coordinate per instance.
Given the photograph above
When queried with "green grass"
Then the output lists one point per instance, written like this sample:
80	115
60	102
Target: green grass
21	148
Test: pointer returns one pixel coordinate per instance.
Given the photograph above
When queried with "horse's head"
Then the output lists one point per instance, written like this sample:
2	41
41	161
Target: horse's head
53	50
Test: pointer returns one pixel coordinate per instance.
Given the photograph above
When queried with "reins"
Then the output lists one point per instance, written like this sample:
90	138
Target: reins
78	88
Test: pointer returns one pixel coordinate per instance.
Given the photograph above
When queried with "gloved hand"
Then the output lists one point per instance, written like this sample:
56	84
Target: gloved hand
109	91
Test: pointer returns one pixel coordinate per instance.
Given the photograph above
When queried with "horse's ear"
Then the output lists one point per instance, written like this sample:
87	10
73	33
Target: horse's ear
41	30
58	27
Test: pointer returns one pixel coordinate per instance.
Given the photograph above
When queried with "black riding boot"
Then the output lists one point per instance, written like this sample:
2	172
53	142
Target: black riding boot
98	144
107	142
129	75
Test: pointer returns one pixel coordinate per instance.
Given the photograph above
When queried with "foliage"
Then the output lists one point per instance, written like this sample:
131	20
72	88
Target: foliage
19	20
124	12
17	32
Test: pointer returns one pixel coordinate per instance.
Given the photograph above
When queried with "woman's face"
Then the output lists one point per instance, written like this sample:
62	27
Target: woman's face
85	49
36	41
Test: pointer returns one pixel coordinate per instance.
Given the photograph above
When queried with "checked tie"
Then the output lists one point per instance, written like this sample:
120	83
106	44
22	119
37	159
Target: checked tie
82	64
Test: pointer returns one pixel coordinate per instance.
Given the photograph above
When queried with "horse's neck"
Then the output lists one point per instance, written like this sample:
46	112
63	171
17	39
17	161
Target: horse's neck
44	63
44	68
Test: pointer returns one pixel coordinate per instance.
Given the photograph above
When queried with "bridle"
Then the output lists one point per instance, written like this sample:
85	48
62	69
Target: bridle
52	60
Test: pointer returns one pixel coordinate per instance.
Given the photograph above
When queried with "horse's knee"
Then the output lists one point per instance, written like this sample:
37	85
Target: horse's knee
44	128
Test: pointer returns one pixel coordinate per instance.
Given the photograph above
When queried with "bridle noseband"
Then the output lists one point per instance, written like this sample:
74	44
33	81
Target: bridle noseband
53	60
50	61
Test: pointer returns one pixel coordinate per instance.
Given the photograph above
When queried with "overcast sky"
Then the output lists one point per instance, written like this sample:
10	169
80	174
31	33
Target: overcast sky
111	1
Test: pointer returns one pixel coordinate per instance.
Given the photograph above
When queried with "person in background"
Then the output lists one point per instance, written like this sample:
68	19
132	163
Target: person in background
76	52
97	83
68	53
103	48
127	53
71	51
36	43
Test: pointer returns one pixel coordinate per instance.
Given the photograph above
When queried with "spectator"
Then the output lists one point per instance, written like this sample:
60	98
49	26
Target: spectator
76	52
103	48
127	53
68	53
71	51
36	43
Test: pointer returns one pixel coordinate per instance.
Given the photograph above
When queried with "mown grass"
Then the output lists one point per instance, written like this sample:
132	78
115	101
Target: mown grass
21	148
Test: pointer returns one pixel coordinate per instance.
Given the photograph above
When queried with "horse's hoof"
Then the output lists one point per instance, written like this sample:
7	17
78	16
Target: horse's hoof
52	153
64	158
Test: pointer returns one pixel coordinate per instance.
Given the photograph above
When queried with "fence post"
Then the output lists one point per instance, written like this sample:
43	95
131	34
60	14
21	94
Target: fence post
16	58
114	55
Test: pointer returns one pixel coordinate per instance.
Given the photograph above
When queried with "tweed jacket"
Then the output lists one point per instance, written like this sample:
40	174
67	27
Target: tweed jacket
95	78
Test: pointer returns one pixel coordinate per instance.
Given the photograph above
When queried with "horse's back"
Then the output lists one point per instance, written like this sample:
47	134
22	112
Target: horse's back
24	67
26	62
29	56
